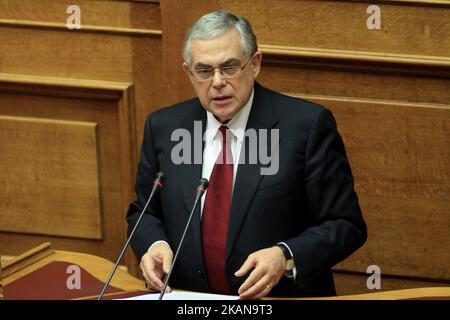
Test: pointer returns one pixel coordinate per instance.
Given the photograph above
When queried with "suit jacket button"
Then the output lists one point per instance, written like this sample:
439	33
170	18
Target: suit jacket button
200	273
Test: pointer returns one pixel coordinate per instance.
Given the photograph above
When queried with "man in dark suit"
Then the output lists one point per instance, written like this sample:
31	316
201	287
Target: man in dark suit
264	227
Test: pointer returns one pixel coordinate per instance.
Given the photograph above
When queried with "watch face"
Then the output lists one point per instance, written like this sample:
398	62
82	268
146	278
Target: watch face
290	264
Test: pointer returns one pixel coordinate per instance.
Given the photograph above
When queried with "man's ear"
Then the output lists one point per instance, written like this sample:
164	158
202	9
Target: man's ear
186	68
256	63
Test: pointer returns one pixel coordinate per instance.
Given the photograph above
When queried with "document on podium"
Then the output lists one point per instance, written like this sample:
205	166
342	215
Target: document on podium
183	295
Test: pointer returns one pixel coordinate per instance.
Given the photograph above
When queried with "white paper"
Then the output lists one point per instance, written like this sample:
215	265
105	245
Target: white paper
180	295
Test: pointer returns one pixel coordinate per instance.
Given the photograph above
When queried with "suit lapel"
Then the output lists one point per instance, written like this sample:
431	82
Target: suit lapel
248	177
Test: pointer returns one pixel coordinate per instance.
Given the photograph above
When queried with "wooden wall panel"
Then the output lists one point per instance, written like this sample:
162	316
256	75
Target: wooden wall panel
107	104
50	177
100	13
65	54
400	158
118	41
342	25
56	73
148	81
325	78
177	17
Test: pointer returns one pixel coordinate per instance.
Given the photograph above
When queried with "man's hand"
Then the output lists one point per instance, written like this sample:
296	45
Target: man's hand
155	264
269	266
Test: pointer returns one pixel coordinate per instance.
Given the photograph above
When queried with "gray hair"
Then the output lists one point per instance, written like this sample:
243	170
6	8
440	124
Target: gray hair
216	23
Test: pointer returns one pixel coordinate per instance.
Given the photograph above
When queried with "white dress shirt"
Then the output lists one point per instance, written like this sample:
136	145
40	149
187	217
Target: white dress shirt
213	142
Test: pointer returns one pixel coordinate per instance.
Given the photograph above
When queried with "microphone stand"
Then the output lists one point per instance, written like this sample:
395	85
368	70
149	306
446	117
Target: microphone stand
157	183
203	185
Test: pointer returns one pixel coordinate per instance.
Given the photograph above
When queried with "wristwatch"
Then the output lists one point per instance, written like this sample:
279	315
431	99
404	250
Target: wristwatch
289	267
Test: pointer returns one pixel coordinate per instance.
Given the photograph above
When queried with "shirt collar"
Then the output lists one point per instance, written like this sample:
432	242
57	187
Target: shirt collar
236	125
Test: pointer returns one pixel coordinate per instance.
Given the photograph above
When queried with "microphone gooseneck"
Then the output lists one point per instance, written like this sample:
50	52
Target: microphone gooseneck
201	188
157	184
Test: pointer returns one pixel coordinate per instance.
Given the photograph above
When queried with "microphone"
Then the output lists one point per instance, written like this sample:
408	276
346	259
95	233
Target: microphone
157	183
201	188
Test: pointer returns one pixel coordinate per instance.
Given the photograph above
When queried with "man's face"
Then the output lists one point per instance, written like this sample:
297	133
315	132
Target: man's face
223	97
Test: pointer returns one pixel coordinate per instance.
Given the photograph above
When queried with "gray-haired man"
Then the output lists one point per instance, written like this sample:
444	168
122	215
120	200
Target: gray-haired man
253	234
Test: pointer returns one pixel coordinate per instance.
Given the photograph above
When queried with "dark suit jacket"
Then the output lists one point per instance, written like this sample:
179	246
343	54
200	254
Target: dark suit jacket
310	203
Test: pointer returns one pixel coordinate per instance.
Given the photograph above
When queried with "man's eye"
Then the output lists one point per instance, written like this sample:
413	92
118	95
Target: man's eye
203	72
230	69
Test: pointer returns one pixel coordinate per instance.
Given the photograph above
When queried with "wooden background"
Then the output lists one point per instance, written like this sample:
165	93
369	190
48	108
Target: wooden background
73	104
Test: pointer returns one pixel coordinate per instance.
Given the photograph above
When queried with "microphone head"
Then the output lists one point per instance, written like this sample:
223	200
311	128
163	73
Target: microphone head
203	184
159	179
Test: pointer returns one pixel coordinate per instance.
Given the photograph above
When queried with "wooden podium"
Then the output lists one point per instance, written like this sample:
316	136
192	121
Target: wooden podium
46	274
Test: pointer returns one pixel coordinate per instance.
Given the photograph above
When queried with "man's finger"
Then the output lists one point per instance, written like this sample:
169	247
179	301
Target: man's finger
168	289
246	267
146	264
166	262
155	282
152	271
259	289
254	277
145	275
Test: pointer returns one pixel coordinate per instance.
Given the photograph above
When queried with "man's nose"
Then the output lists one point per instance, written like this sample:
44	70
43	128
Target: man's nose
218	80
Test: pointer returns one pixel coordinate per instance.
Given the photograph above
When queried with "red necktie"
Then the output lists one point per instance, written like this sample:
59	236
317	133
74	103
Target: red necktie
215	218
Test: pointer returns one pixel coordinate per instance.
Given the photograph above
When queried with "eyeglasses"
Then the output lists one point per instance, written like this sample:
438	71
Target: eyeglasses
227	72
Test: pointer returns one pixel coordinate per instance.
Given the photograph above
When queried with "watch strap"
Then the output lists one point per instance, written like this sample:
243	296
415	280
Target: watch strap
289	267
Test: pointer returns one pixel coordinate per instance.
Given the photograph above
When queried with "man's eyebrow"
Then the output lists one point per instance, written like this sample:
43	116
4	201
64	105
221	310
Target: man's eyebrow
228	62
202	66
231	61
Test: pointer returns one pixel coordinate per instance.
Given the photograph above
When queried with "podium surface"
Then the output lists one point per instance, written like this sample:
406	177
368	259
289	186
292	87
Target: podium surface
46	274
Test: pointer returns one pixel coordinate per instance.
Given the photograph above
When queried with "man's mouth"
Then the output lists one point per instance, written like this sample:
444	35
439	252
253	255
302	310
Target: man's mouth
222	100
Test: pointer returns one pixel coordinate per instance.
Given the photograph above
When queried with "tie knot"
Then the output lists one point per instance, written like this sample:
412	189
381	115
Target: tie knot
223	134
223	130
225	156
